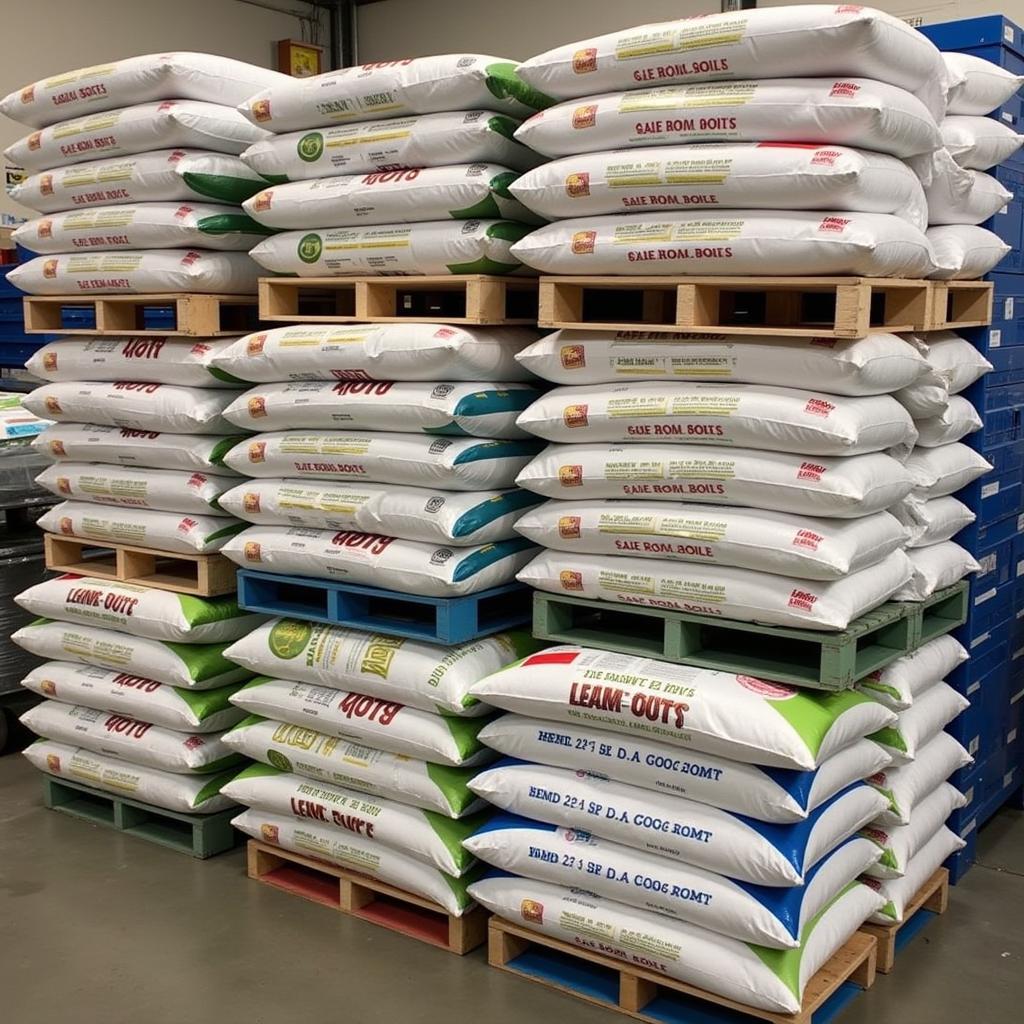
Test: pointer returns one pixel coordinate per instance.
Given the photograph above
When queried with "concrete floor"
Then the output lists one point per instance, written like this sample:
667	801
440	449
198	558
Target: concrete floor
99	928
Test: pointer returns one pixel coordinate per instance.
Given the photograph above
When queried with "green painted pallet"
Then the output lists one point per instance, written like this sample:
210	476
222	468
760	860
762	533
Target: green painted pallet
199	835
803	657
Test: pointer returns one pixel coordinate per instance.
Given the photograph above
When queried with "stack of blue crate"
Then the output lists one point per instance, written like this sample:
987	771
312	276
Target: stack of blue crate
15	345
993	728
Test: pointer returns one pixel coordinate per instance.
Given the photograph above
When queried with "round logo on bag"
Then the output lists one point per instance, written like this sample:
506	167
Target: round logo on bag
288	638
310	248
774	691
311	147
279	761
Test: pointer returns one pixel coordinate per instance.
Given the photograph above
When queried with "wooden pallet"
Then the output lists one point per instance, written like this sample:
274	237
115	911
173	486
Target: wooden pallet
931	899
957	304
367	898
198	835
647	996
804	657
456	299
198	575
199	316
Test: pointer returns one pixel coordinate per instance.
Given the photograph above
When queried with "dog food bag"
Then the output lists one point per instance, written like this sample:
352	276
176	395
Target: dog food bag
133	273
979	143
372	560
956	421
399	352
357	853
748	415
747	973
353	766
116	735
977	86
956	360
151	76
933	521
965	251
187	666
727	242
730	593
187	795
905	786
136	697
135	129
166	490
943	470
140	611
743	175
411	195
430	677
931	712
719	713
900	843
163	176
126	446
841	487
936	567
427	140
425	835
433	247
383	724
678	829
775	542
457	518
901	681
451	463
185	362
772	917
454	409
874	365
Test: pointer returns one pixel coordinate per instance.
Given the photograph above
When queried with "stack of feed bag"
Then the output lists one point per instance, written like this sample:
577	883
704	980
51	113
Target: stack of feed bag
722	818
395	168
133	167
754	142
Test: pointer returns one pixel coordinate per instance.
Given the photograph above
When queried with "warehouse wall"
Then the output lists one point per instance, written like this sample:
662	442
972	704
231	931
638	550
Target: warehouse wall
521	28
56	35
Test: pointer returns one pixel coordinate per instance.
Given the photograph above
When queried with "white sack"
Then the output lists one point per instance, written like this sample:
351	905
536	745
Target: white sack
956	359
902	680
933	521
965	251
943	470
979	143
960	196
956	421
936	567
977	86
931	712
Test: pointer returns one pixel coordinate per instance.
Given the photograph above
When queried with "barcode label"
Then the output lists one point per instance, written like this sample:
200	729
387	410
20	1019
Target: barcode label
1008	118
1008	308
995	338
1008	33
986	596
990	489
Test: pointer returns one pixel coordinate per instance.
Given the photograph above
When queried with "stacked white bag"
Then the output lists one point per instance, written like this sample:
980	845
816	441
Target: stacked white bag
768	142
133	167
395	168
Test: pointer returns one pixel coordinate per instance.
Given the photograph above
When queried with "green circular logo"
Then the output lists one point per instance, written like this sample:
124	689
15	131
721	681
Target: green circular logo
311	147
288	638
279	761
310	247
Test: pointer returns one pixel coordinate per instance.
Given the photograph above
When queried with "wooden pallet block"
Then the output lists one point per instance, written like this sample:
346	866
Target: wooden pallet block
198	575
958	304
454	299
200	316
933	897
641	990
827	307
367	898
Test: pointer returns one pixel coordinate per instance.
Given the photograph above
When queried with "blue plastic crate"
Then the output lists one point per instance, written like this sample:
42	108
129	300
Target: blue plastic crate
991	30
1007	224
997	566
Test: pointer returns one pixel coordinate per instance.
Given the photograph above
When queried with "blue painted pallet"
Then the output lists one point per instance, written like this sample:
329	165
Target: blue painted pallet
441	620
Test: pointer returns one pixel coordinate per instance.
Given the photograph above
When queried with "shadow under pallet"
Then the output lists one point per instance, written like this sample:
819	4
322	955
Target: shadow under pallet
804	657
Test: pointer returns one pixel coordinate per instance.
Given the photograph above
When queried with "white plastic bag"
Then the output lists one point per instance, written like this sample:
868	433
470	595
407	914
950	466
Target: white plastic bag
977	86
902	680
434	247
965	251
410	352
956	421
458	409
876	364
979	143
933	521
960	196
931	712
720	713
451	463
773	542
943	470
842	487
936	567
958	361
430	677
926	397
730	242
135	129
372	560
720	591
747	415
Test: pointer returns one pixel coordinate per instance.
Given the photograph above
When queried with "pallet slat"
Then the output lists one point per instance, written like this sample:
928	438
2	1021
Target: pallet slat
930	900
641	994
198	575
367	898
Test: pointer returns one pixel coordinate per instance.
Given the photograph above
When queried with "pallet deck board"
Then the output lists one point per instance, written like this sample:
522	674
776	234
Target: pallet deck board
929	901
195	315
645	995
366	898
804	657
209	575
198	835
454	299
451	620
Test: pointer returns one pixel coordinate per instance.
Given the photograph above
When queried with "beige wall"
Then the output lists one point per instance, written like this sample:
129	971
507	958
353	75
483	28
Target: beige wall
46	37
